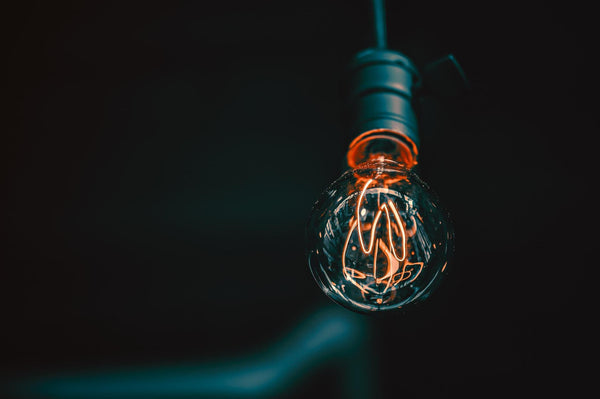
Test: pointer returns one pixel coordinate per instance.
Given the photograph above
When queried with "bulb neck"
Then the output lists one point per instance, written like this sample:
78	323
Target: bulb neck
380	95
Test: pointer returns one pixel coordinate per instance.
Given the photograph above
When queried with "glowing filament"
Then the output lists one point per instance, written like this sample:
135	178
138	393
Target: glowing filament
398	268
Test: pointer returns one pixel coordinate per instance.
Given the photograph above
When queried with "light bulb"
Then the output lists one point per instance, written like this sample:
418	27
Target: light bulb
378	239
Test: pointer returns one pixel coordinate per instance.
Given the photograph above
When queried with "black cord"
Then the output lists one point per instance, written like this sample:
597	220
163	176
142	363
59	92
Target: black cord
379	23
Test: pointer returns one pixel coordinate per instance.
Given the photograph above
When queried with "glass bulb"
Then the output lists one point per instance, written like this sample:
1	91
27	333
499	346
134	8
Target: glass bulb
378	238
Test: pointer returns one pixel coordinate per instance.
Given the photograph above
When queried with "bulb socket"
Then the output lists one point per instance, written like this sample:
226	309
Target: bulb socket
380	95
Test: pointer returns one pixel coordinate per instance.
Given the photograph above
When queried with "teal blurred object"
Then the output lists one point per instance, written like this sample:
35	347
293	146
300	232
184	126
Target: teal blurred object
331	337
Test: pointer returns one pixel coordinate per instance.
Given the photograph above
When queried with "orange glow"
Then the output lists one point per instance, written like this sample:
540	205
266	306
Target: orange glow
396	268
405	150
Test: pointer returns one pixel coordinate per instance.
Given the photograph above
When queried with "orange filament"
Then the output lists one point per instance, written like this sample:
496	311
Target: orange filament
382	208
398	267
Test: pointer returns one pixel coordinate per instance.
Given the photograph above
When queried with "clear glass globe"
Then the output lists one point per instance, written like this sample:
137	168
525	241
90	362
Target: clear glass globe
378	238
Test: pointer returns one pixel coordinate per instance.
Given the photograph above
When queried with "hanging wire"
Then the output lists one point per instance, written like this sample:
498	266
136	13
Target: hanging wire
379	24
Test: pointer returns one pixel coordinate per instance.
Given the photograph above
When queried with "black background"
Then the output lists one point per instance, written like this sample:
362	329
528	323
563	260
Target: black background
160	160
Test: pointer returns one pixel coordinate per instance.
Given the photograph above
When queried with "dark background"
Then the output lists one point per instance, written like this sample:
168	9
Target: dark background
160	160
